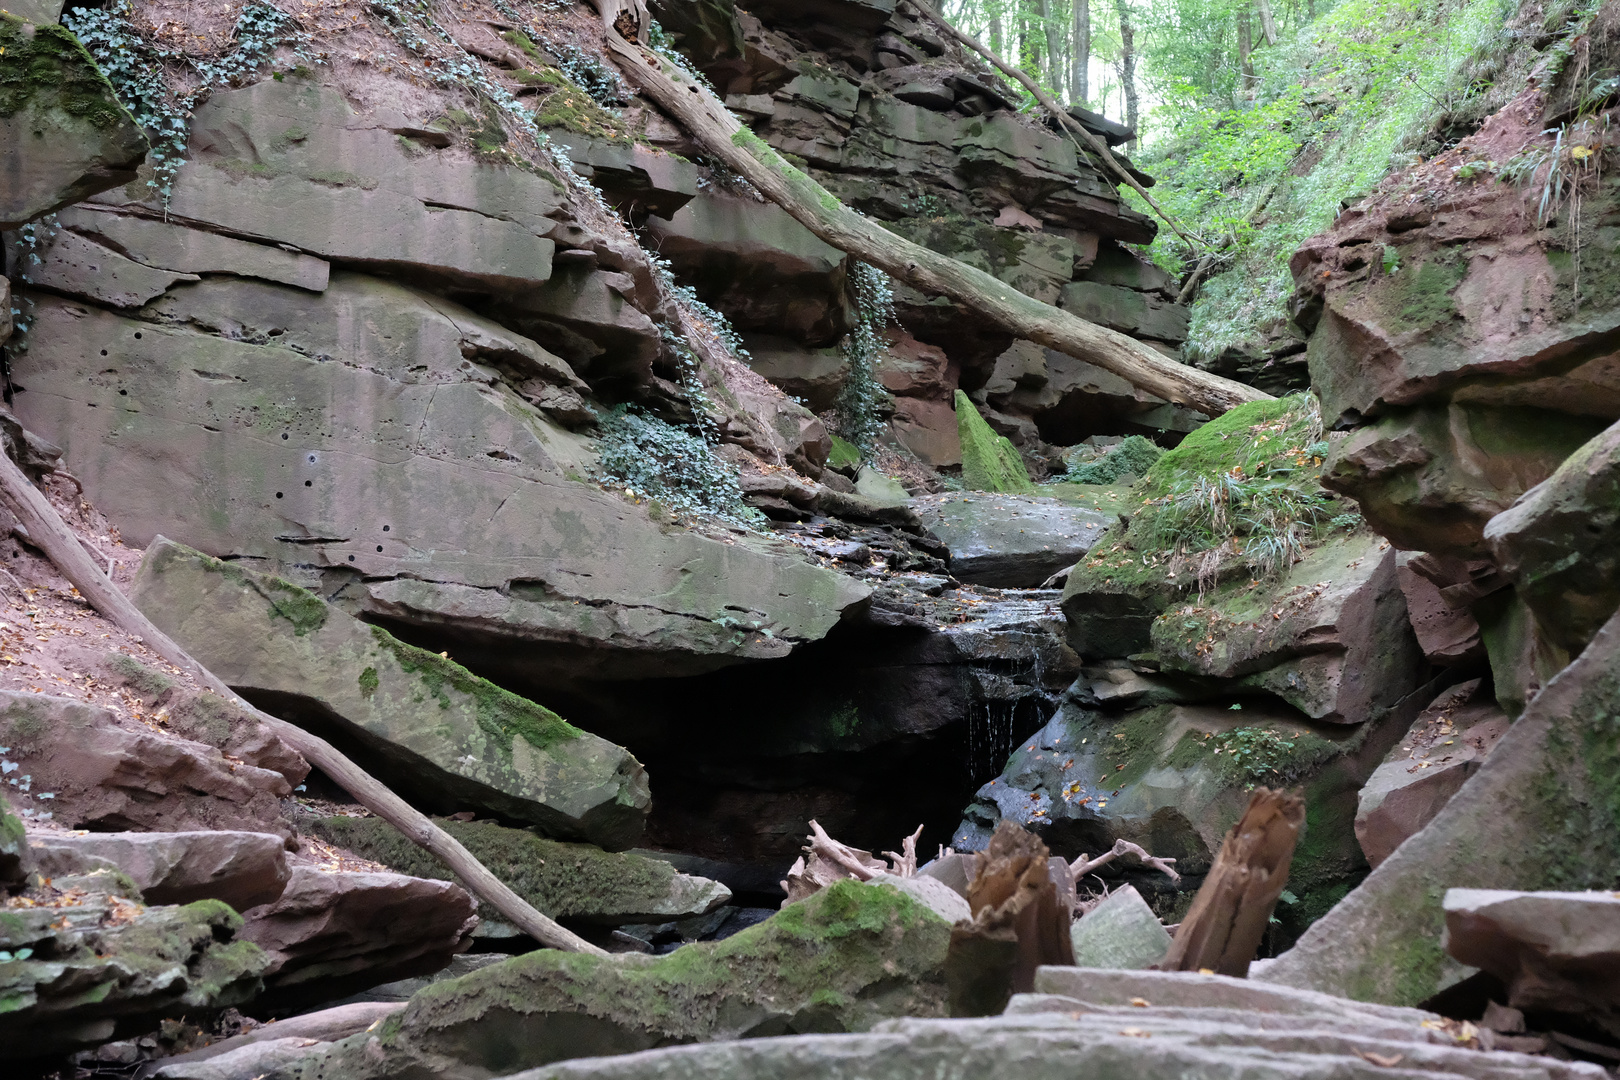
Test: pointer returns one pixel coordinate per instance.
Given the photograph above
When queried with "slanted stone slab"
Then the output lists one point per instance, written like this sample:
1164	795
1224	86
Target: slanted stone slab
1556	951
1560	543
16	860
170	246
243	869
1121	932
1446	745
566	881
331	934
1010	541
63	135
455	739
1539	813
110	778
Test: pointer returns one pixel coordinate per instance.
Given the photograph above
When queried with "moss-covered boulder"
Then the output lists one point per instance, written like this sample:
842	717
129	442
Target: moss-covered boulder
1543	812
840	960
1238	499
1175	777
566	881
990	462
454	740
63	134
88	958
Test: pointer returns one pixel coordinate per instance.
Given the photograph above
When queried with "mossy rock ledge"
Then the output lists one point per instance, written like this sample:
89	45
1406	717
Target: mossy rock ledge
566	881
457	741
841	960
73	974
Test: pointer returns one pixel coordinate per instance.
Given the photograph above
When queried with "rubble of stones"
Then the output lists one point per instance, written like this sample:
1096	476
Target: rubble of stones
329	401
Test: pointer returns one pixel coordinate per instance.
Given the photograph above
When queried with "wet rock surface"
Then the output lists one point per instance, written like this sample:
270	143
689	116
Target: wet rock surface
1010	541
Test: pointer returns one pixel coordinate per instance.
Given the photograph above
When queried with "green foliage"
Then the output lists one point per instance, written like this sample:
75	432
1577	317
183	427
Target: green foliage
858	400
1331	110
1132	456
655	459
1245	485
989	461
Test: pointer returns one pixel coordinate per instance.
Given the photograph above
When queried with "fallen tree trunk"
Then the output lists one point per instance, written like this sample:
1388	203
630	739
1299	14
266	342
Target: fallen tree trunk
706	119
48	532
1228	918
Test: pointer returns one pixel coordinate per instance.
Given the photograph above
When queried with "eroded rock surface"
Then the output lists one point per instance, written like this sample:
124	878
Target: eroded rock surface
458	737
242	869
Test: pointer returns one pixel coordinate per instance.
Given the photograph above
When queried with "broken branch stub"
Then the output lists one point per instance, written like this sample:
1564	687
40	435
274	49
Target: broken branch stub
705	118
1228	918
1021	919
48	532
1083	866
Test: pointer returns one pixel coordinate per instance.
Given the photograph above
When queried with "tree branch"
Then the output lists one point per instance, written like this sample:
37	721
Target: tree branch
1082	866
1070	124
48	532
721	135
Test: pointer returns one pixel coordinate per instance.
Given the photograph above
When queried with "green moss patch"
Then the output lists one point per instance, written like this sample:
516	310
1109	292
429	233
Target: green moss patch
502	714
1133	456
49	60
989	461
563	880
841	960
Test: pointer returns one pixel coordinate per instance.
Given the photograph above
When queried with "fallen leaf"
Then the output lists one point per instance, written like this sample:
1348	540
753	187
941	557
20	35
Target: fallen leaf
1141	1003
1136	1033
1386	1060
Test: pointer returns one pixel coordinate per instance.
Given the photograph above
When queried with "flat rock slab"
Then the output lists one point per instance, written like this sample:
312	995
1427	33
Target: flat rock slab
1445	746
1556	951
1121	932
1010	541
1048	1036
244	869
331	934
456	737
566	881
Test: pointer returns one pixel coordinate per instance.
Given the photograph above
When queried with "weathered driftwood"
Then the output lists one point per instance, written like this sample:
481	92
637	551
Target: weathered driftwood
826	861
1228	917
705	118
48	532
1021	918
1083	866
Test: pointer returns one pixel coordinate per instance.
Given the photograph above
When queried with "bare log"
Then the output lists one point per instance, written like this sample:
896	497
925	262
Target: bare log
826	861
1075	129
1083	866
48	532
706	119
1228	918
904	862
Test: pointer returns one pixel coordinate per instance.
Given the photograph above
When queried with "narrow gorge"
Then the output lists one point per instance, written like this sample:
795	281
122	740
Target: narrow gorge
868	566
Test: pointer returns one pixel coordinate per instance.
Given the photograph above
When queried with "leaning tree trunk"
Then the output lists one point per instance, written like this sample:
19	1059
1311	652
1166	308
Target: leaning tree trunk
1127	67
48	532
706	119
1080	74
1268	23
1054	47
